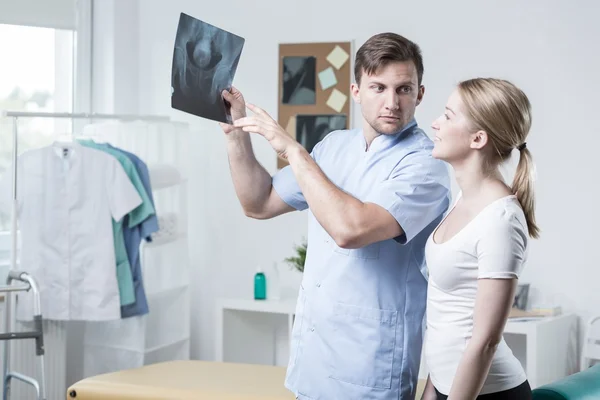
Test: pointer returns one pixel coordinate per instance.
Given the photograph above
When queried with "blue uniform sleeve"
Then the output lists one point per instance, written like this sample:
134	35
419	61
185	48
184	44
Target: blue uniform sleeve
416	193
286	186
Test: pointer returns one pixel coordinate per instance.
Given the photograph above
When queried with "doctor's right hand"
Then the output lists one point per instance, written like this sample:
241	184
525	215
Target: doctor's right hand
236	105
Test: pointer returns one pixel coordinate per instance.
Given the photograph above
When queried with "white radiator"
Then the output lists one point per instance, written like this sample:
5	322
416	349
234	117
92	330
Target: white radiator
24	360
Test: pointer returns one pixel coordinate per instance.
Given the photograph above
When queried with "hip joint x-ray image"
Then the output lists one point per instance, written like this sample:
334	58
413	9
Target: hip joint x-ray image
205	59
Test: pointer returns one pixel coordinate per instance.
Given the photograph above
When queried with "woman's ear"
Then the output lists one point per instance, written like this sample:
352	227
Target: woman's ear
479	139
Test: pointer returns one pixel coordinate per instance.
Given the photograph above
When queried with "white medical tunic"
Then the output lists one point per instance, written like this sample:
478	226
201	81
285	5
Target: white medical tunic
67	196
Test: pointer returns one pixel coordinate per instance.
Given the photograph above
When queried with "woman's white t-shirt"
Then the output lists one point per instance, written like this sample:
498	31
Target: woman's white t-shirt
492	245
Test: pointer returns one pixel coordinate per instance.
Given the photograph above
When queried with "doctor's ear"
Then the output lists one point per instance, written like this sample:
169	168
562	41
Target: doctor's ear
355	90
420	94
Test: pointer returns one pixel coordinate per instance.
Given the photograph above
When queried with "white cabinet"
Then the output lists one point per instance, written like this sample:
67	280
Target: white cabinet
546	347
253	331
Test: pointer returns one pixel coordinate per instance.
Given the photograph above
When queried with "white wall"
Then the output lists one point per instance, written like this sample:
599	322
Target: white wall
546	47
115	54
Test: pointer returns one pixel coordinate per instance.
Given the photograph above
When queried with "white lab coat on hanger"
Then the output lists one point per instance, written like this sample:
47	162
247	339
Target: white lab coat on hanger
67	196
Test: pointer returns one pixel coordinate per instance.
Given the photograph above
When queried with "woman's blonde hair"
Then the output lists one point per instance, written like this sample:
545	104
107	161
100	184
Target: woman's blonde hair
503	111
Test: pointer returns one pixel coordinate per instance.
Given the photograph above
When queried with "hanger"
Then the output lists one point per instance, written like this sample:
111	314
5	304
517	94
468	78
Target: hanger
91	133
64	145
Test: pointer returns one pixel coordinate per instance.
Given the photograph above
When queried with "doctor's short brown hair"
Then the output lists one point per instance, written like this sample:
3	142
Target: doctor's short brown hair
384	48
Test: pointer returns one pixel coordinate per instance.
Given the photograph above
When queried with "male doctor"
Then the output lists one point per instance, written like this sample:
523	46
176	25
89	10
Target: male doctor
374	195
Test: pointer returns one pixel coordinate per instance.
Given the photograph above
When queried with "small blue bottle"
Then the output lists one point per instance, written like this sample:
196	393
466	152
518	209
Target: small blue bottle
260	285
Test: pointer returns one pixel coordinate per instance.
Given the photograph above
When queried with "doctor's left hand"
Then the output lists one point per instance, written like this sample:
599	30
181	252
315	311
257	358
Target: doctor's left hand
263	124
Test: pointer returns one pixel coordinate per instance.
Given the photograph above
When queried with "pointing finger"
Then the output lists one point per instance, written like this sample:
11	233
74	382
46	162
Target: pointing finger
256	110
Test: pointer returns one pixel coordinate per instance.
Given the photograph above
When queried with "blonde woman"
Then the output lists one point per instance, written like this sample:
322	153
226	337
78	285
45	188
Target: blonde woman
476	253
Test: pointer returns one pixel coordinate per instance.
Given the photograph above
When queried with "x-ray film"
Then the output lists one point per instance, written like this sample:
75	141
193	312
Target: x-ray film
205	59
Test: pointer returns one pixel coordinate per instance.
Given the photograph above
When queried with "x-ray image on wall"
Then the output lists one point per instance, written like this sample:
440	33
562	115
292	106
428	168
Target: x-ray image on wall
299	80
311	129
205	59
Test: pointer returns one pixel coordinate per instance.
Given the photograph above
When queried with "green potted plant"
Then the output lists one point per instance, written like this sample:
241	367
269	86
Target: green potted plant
297	261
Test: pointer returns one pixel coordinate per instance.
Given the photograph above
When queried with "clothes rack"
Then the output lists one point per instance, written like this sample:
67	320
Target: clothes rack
15	115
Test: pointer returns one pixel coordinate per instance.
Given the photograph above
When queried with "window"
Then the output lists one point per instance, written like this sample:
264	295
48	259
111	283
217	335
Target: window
36	74
42	44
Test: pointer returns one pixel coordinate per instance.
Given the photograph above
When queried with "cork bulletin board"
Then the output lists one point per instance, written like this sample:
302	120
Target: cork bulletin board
314	90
